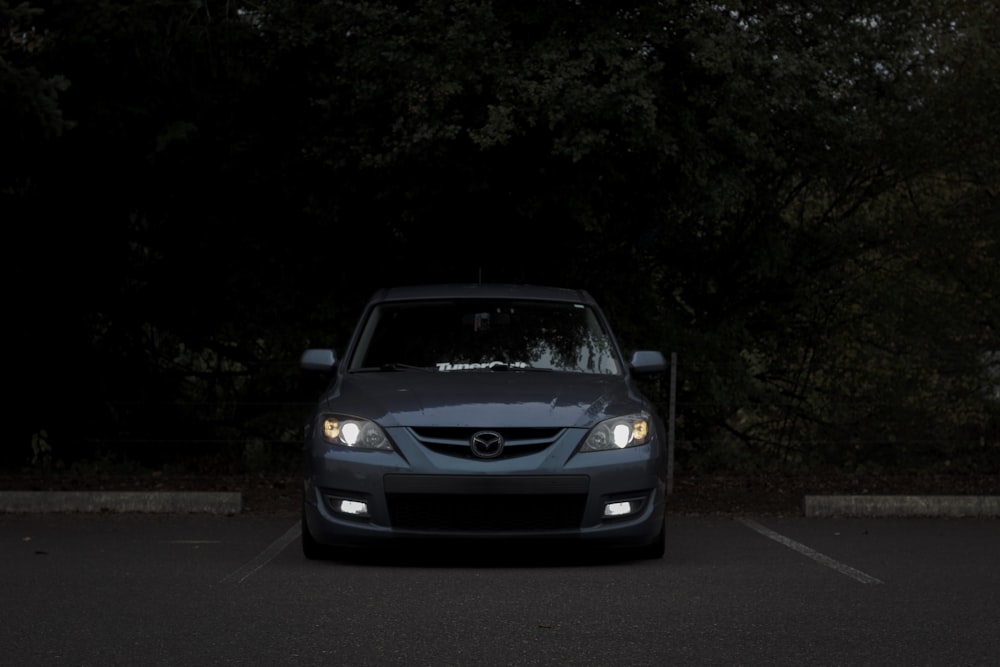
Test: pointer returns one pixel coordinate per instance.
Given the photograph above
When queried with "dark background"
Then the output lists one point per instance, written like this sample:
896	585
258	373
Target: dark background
799	201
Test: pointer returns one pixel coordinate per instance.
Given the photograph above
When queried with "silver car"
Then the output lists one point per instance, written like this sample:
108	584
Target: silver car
483	411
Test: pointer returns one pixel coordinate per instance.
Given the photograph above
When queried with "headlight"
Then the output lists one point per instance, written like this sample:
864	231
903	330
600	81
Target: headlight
619	433
353	432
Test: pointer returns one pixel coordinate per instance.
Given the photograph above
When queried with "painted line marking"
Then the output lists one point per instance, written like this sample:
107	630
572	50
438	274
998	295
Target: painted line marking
846	570
264	557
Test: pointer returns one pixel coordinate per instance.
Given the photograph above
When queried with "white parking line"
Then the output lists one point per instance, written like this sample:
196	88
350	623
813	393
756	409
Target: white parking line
815	555
264	557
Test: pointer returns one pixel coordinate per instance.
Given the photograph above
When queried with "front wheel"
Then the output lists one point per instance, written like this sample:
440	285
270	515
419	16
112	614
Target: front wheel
655	549
312	549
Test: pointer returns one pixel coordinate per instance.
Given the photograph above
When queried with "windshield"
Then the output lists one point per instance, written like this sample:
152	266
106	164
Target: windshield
465	335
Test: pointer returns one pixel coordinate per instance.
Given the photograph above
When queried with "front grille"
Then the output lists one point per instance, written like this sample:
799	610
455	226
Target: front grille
455	441
499	513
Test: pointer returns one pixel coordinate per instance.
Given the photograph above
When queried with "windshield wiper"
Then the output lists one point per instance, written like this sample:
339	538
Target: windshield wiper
390	367
501	366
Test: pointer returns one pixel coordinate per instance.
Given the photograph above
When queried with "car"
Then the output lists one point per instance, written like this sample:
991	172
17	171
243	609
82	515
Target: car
483	412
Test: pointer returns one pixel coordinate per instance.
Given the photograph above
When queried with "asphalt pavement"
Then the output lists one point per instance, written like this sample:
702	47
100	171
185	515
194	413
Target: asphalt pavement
199	589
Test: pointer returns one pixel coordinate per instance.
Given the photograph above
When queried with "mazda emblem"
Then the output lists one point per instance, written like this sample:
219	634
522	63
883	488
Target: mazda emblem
486	444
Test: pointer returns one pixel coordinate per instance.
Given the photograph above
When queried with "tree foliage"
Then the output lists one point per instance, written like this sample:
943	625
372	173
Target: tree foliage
797	198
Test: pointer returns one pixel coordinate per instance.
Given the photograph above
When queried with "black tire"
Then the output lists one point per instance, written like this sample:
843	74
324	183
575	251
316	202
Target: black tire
312	549
655	549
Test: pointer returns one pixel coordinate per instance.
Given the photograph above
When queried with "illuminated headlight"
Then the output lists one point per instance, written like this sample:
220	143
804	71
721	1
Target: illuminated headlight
353	432
619	433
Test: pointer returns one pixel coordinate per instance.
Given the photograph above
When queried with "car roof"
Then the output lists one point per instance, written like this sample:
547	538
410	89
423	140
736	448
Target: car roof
481	291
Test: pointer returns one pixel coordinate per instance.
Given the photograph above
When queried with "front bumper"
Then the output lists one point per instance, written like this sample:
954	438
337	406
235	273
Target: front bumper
415	493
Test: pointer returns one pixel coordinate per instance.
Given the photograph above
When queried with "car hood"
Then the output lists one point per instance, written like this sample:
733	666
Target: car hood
481	399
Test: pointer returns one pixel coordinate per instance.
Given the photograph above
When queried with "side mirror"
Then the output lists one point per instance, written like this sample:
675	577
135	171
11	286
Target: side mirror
648	361
318	360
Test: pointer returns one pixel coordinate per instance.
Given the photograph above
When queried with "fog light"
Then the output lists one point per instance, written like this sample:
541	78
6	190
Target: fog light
352	507
618	508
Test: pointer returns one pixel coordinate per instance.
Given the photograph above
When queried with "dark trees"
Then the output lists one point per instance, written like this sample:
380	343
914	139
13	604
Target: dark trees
800	201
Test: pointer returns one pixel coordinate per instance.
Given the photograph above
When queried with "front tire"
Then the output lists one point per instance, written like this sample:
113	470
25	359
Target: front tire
312	549
655	549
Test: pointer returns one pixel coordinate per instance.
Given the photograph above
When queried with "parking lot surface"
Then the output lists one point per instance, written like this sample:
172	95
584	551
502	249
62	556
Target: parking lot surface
109	589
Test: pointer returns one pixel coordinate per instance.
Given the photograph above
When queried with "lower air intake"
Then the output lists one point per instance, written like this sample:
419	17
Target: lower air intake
486	513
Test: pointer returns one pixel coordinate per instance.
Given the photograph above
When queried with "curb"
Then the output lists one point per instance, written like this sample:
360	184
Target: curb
902	506
213	502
